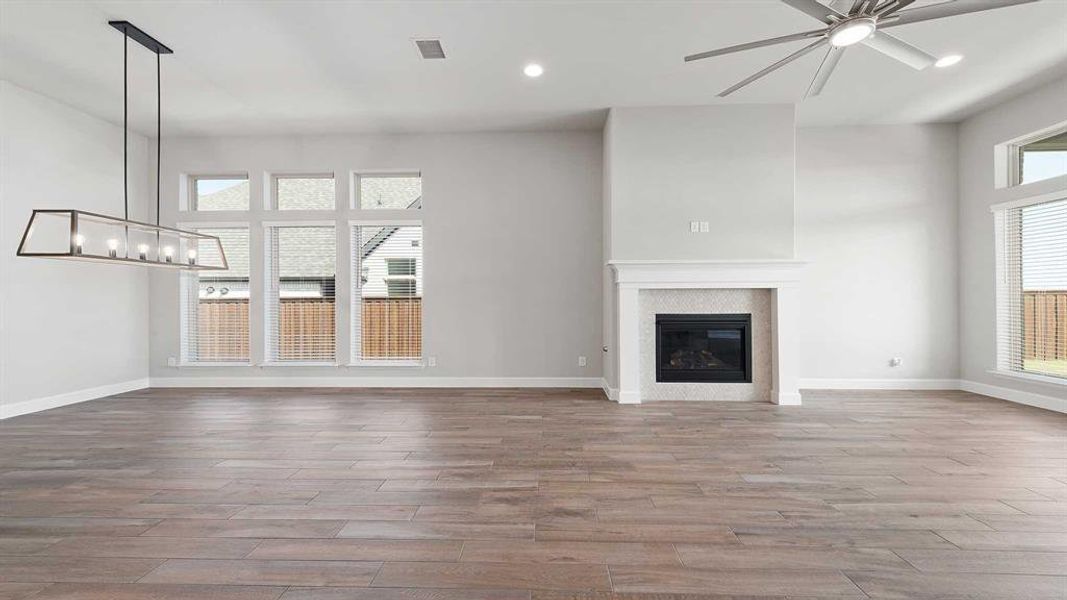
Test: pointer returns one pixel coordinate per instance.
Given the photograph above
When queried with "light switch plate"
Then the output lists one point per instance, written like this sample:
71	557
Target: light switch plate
694	226
704	228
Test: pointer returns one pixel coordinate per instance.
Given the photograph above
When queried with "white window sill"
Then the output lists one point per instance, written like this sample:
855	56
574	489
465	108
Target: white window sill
214	364
410	362
299	363
1032	377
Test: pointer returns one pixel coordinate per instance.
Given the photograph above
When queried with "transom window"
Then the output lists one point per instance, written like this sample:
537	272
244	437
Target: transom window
304	192
218	192
393	191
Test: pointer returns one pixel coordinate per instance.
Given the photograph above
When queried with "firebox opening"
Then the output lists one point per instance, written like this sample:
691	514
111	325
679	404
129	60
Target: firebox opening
704	348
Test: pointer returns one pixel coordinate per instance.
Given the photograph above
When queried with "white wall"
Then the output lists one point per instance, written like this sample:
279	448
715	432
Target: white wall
68	330
730	165
1033	111
512	229
876	219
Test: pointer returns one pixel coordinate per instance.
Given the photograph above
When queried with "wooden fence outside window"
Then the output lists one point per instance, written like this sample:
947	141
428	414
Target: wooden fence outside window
391	328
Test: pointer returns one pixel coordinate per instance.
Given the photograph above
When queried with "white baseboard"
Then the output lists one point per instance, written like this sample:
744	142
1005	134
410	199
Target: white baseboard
38	404
1019	397
786	398
879	384
378	382
610	392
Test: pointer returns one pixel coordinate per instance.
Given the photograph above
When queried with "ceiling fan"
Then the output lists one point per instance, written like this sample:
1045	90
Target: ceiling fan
849	22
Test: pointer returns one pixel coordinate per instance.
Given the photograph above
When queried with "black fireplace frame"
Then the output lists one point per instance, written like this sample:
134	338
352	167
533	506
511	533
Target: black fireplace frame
721	321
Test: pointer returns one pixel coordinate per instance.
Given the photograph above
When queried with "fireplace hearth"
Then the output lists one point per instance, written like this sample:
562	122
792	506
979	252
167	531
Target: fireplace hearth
704	348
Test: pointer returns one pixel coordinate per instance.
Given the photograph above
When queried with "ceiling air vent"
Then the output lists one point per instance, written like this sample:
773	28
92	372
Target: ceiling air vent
430	48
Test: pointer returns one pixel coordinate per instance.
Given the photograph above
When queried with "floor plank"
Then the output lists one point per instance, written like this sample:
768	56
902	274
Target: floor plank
484	494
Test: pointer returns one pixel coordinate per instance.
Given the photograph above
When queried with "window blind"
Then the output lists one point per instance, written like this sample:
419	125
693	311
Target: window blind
387	292
300	293
214	304
1032	288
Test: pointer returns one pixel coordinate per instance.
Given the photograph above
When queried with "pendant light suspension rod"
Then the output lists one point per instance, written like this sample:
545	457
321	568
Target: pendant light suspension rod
126	125
159	134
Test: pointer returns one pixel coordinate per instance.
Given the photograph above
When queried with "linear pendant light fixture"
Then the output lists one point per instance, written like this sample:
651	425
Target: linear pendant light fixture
73	234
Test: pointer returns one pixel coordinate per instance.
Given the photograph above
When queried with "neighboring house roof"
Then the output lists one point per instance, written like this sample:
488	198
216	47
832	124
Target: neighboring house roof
232	198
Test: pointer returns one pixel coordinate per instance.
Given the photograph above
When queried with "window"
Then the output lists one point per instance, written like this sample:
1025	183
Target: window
387	292
1043	158
222	192
214	304
316	192
400	191
301	273
1032	287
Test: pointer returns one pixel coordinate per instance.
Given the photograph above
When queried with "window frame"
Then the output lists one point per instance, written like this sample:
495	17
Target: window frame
267	225
1001	363
355	297
190	200
1007	157
184	281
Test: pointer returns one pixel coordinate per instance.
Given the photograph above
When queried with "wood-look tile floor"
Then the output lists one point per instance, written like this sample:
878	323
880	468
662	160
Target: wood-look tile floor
531	495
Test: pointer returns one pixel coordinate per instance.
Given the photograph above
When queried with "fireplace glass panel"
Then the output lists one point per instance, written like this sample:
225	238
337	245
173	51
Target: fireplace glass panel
703	348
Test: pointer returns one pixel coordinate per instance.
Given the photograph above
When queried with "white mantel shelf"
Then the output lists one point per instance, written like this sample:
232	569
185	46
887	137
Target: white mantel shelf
782	277
694	273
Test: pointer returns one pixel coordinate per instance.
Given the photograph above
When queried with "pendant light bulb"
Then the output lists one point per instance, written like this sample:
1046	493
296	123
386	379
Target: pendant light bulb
168	253
112	247
142	251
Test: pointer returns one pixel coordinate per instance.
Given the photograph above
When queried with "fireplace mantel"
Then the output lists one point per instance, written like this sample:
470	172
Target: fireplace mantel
782	277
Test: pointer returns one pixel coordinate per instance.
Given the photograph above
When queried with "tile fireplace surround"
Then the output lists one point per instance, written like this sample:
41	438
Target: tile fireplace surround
780	277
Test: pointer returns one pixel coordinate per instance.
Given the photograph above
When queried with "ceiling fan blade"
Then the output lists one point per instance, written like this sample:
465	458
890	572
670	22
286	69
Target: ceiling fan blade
845	7
948	9
825	70
815	9
750	45
892	6
772	68
897	48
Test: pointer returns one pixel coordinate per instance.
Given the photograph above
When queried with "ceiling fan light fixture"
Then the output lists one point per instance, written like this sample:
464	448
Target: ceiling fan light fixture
533	70
948	60
852	31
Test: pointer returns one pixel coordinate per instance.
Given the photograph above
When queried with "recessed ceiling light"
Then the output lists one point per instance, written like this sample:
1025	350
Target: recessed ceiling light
948	61
852	31
533	70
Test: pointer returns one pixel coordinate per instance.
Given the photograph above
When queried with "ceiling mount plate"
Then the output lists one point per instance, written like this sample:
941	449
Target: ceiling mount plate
141	37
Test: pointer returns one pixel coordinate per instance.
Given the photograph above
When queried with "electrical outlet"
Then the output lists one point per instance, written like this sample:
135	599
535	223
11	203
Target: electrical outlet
581	361
896	361
172	362
694	227
431	361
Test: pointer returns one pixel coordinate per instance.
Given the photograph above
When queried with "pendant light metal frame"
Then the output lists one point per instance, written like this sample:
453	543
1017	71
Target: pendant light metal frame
74	250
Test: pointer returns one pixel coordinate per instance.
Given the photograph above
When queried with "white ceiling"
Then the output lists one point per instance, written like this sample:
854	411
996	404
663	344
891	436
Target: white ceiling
243	67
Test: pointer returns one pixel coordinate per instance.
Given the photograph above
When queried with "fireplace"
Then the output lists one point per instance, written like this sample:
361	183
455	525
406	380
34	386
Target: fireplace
704	348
